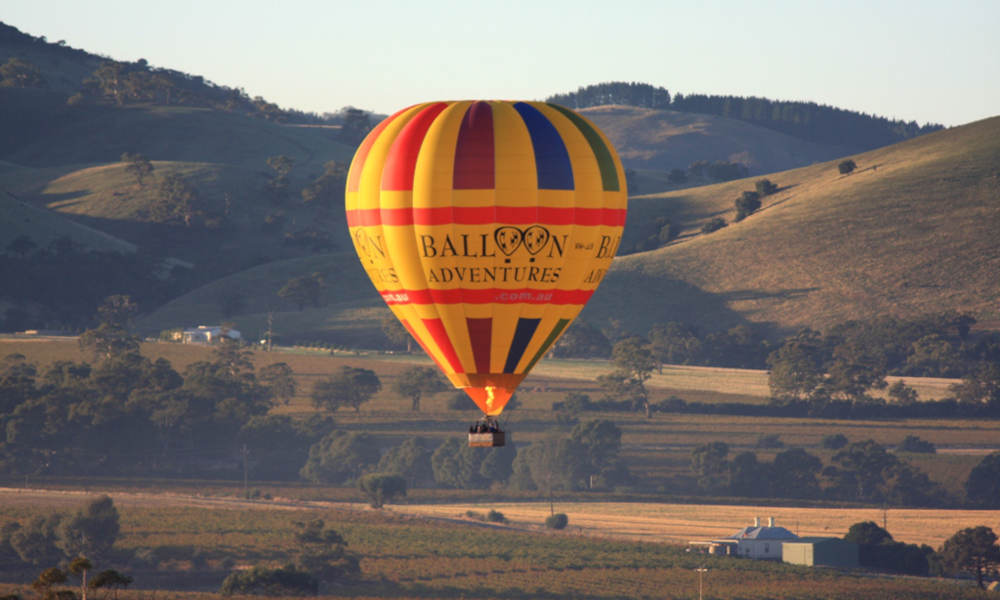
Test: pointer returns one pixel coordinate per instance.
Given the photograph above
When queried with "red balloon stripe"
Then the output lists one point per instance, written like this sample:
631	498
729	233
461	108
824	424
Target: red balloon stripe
486	296
482	215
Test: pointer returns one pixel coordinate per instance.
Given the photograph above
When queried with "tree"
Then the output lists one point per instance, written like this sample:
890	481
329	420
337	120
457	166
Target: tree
356	125
112	337
328	189
351	387
973	549
902	394
600	443
411	459
710	465
456	465
982	488
634	364
175	200
19	73
48	578
846	166
303	290
138	166
340	457
92	531
794	474
414	382
323	552
277	184
280	381
396	334
747	204
795	369
381	488
111	579
79	566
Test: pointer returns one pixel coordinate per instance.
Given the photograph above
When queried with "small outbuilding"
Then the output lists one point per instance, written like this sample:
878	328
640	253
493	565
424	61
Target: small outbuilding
820	552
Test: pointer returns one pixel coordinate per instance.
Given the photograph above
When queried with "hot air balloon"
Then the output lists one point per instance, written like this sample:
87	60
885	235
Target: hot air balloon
486	226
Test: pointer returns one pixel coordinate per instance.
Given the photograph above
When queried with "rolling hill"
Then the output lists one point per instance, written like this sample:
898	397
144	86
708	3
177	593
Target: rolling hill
911	231
649	139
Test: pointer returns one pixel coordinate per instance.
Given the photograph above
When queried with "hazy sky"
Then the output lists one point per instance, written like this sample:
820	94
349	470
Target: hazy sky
928	61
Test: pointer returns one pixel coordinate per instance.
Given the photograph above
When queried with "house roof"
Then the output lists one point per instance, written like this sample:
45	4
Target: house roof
763	533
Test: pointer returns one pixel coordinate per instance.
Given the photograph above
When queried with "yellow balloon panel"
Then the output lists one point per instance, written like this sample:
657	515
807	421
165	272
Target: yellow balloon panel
486	226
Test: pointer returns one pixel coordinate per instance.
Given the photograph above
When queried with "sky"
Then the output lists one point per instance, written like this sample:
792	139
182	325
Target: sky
926	61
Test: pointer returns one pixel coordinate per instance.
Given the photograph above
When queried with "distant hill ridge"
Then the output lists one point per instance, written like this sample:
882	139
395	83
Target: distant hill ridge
805	120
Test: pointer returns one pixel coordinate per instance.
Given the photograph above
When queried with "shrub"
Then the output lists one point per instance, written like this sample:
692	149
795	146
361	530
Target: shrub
714	225
495	516
912	443
764	187
557	521
846	166
260	581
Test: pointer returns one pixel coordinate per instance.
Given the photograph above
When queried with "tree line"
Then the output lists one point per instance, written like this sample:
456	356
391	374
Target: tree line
806	120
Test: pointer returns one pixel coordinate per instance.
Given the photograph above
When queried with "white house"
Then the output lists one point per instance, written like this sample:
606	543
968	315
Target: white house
206	334
755	541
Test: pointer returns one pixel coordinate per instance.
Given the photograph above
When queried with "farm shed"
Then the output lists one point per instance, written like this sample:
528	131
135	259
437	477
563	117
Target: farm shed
820	552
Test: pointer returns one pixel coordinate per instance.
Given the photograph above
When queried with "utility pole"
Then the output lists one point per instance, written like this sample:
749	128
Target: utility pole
270	325
245	452
701	571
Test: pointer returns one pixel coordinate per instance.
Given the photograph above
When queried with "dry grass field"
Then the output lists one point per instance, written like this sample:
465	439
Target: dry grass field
680	523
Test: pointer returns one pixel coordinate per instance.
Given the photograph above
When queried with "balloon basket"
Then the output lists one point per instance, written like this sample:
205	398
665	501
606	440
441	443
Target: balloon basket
487	440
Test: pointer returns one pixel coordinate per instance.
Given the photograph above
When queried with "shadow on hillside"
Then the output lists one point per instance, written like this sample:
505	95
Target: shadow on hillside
639	300
788	294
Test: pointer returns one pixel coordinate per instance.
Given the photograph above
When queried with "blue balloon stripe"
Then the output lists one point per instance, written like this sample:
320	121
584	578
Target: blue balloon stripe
555	171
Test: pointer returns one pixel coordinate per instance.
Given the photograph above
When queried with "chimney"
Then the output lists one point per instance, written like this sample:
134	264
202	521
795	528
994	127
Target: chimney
756	521
770	521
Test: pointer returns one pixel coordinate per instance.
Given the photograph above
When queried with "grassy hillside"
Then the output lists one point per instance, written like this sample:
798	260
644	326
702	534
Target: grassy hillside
661	140
911	231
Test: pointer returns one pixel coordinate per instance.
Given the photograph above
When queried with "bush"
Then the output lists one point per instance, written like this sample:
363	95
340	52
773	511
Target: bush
764	187
913	443
261	581
557	521
846	166
495	516
714	225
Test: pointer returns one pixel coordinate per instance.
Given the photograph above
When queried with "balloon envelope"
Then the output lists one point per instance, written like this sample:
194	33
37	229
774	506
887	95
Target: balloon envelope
486	226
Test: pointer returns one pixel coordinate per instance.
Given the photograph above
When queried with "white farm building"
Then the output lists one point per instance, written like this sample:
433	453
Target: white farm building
207	334
755	541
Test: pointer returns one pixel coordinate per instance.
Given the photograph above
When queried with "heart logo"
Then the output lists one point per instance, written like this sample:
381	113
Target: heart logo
508	239
535	238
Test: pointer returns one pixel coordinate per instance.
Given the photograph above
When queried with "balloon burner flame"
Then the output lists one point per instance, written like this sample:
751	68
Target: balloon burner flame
489	396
